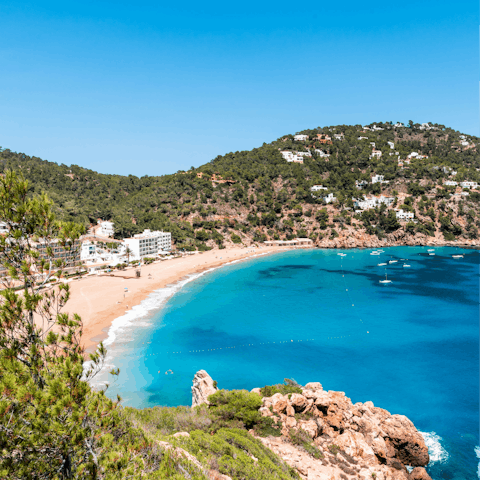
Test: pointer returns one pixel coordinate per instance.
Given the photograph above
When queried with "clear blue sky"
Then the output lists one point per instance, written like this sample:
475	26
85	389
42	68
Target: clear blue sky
154	87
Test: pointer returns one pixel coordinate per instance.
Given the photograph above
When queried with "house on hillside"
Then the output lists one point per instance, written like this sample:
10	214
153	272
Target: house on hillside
362	138
317	188
330	198
376	153
339	136
391	145
291	157
403	215
450	183
379	179
300	138
360	184
304	154
469	184
322	153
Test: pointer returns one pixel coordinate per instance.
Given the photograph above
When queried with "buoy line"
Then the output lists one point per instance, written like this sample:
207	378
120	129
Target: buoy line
279	342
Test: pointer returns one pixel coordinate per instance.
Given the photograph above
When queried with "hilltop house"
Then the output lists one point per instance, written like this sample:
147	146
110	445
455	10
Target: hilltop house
361	184
450	183
300	138
376	153
339	136
391	144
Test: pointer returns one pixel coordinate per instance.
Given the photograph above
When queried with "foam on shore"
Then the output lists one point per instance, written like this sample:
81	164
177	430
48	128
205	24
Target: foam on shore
437	453
121	330
477	451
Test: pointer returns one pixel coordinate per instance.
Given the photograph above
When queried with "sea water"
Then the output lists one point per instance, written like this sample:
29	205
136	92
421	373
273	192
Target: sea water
411	346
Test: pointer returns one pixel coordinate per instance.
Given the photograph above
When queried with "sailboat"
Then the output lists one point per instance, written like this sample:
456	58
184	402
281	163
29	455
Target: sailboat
405	265
457	256
431	250
392	261
381	264
386	279
375	253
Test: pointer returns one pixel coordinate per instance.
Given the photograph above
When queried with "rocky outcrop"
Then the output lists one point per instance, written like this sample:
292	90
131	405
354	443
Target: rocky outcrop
355	440
203	386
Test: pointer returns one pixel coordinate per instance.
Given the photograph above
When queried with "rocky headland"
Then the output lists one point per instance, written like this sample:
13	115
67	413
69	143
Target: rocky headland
324	436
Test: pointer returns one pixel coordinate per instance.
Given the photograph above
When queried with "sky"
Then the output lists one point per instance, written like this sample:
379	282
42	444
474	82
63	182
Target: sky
150	88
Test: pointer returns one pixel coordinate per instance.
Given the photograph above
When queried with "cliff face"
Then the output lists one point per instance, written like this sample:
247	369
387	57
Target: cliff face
324	436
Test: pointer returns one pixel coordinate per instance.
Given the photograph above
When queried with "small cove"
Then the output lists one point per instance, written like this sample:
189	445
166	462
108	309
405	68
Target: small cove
305	315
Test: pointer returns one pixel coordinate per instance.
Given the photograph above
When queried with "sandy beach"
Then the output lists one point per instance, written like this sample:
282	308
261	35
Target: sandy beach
99	299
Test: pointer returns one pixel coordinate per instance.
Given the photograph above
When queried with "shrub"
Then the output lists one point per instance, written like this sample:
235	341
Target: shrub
235	406
283	388
235	238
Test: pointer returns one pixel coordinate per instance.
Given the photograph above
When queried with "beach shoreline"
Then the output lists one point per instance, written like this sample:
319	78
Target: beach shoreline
100	299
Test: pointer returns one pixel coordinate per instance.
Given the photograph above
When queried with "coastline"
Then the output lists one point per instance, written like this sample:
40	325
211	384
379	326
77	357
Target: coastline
100	299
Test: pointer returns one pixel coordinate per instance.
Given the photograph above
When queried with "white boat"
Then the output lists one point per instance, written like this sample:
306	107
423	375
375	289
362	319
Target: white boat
381	264
431	250
393	261
431	254
457	256
386	279
375	253
405	265
342	254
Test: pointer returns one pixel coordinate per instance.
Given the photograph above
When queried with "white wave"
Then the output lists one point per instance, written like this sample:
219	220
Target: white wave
123	328
437	453
477	451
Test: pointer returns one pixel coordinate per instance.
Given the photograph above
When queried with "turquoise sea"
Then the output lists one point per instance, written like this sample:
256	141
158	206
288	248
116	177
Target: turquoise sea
411	346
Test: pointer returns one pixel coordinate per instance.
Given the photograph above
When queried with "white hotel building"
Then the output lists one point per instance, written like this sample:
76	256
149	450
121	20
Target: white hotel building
149	243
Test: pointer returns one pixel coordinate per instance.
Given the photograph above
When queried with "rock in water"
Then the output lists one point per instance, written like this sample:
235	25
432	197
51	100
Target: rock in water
202	387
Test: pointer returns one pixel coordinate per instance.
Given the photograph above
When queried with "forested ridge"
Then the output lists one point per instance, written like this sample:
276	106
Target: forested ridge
266	197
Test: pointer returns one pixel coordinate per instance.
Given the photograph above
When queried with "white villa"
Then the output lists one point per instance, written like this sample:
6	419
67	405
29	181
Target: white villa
372	202
338	136
469	184
379	179
149	243
360	184
450	183
304	154
330	198
322	153
300	138
464	143
391	144
291	157
362	138
107	229
317	188
402	215
376	153
398	125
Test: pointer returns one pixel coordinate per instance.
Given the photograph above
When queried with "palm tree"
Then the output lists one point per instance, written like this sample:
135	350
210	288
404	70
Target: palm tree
128	252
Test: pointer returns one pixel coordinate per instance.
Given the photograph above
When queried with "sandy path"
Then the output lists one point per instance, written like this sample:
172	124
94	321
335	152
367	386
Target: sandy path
99	299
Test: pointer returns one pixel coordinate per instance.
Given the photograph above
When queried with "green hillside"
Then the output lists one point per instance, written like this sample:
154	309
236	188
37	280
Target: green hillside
269	198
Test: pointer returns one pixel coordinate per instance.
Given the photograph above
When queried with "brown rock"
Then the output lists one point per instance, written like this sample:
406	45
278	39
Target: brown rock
408	443
290	422
310	426
290	411
314	386
299	402
202	388
419	473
